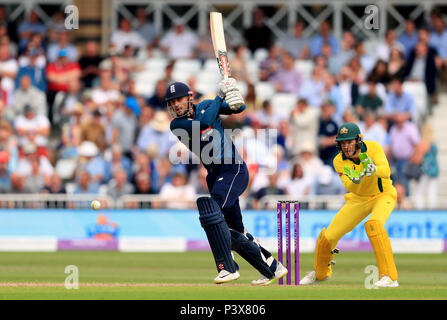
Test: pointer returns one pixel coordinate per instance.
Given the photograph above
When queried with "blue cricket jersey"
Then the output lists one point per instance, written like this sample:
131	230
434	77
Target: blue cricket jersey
203	133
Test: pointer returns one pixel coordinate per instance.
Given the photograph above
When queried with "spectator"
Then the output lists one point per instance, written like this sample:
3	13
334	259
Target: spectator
56	25
399	102
313	89
358	73
59	74
438	40
271	189
129	62
258	35
106	92
177	194
304	125
373	130
267	116
118	161
156	135
384	48
284	138
396	64
345	54
119	185
5	173
65	102
63	43
327	132
126	36
327	183
32	127
71	136
421	66
145	28
8	143
369	101
324	36
35	180
380	73
427	186
205	49
90	160
89	63
196	95
334	94
299	184
179	43
239	69
349	88
366	59
26	164
269	66
404	136
34	69
143	184
8	73
200	183
402	201
157	100
29	27
409	37
55	185
309	161
297	44
85	184
287	79
27	94
94	130
124	124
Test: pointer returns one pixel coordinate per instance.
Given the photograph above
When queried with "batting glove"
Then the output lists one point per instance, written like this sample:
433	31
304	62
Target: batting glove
234	99
228	85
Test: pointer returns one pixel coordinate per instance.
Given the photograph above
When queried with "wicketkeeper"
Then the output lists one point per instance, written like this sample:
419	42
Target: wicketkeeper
220	214
364	170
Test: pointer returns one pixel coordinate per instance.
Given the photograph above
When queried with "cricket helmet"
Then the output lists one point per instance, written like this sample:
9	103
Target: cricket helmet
349	131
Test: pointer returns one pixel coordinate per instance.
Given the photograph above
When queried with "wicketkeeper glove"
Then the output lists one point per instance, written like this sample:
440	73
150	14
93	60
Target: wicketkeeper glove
354	175
368	164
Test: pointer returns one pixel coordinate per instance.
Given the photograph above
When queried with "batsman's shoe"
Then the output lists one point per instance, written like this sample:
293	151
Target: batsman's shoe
280	272
311	278
386	282
226	276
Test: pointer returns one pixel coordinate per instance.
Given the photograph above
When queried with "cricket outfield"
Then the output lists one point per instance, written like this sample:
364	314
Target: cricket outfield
189	275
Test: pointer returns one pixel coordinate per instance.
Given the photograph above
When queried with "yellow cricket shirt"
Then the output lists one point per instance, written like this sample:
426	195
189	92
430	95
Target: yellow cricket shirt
373	185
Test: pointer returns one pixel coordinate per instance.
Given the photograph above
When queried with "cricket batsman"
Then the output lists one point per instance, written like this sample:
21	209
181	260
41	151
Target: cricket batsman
220	214
364	170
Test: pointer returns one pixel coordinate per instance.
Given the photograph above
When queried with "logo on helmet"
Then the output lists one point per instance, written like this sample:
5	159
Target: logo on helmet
172	88
344	131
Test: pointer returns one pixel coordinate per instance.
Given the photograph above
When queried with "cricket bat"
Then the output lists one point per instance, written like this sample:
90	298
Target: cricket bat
220	48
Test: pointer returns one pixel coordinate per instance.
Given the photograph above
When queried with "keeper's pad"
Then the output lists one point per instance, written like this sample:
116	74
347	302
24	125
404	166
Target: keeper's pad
323	257
382	248
217	232
251	252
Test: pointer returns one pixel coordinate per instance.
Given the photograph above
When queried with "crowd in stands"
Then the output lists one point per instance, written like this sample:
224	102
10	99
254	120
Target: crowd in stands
75	121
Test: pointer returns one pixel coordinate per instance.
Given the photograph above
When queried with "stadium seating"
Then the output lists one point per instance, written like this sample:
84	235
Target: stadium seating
264	90
419	92
305	67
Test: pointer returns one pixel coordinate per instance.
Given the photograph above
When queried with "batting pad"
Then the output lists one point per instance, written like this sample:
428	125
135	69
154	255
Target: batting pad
382	248
323	257
217	232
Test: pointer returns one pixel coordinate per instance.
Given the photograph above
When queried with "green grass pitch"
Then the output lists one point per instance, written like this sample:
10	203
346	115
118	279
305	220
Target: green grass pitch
189	275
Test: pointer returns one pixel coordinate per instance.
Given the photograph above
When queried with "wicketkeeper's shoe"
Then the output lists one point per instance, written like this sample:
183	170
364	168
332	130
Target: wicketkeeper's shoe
386	282
280	272
311	278
226	276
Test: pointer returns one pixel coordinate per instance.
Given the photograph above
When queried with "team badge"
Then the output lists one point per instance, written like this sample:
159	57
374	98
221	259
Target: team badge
172	88
344	130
